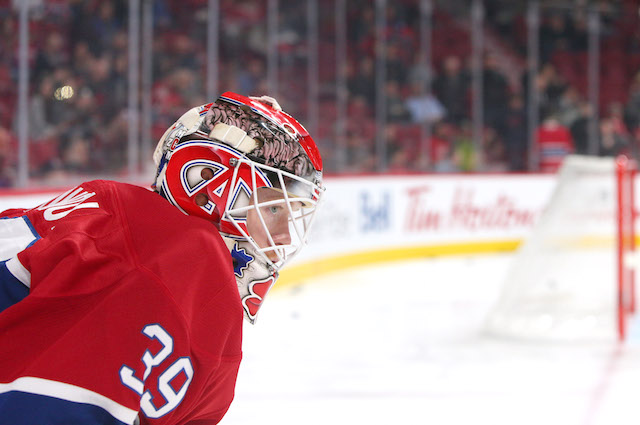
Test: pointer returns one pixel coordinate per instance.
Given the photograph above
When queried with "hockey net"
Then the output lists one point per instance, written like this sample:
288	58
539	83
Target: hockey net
572	279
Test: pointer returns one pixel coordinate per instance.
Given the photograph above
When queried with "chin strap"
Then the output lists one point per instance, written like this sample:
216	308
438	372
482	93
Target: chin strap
254	276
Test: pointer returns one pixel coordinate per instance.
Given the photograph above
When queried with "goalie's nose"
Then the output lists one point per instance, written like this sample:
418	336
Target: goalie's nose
280	231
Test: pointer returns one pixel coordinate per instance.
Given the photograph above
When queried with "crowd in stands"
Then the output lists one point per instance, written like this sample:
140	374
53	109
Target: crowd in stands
78	56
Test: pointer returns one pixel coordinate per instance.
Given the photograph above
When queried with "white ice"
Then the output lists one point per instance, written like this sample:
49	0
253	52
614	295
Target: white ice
402	343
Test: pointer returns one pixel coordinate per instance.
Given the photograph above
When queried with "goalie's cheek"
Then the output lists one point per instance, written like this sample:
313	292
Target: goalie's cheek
276	225
277	221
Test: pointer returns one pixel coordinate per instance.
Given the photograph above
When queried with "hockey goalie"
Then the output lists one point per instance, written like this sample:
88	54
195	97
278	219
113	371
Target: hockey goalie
123	305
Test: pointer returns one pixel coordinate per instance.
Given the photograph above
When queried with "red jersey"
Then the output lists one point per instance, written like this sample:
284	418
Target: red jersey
115	305
554	143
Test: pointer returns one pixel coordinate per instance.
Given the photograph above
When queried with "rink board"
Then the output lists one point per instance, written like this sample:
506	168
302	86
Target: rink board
373	219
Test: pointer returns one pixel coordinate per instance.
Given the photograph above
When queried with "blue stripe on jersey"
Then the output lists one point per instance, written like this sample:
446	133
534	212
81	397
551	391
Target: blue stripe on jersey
19	408
34	232
11	289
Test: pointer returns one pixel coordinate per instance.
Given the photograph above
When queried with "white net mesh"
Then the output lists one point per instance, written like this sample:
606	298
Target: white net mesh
562	281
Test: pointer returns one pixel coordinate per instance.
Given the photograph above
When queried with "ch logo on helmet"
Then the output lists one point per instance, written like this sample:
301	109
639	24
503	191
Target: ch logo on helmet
191	179
230	186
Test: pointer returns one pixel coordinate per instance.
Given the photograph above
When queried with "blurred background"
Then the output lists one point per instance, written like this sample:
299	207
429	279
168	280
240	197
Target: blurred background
441	124
87	87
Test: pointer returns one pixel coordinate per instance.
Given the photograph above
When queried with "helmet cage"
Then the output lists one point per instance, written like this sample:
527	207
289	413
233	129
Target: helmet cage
300	208
231	193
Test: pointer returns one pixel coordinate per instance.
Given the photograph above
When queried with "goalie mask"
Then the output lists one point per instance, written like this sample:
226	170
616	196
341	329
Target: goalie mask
254	172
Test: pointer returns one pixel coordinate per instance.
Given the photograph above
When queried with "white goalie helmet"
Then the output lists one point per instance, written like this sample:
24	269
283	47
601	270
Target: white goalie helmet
255	173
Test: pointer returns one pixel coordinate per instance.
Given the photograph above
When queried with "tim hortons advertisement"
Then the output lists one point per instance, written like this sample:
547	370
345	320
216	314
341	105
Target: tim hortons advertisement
388	212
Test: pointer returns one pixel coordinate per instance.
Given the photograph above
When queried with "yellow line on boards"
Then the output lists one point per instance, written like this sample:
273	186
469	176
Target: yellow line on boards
297	274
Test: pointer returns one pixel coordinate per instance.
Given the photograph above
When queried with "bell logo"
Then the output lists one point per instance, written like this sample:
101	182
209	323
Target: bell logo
67	202
375	216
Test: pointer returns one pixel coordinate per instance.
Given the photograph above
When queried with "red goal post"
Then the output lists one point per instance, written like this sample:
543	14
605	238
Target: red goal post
626	170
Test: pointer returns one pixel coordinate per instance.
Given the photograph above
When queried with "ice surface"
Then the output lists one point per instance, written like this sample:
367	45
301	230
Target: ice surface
402	343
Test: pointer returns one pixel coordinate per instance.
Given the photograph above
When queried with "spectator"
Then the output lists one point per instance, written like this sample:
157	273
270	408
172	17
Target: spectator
8	39
40	105
88	117
398	159
106	22
615	137
187	84
418	73
580	128
99	80
554	35
495	95
569	106
553	142
359	154
82	59
44	128
493	151
361	79
441	149
612	142
76	153
402	149
423	107
395	104
579	41
7	157
249	76
465	152
451	88
616	115
551	87
119	83
53	56
516	135
183	52
396	68
632	108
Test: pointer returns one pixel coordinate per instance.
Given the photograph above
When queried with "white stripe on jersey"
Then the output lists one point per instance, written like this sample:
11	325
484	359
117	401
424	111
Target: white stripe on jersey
15	235
16	268
72	393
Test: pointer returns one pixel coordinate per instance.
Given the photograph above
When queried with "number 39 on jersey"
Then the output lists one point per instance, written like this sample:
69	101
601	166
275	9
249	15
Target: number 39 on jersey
152	406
